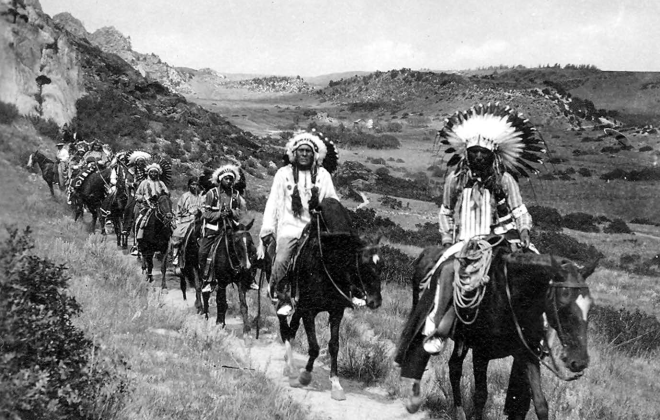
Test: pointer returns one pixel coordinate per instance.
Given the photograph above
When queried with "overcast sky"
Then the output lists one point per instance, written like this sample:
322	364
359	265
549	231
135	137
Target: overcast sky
314	37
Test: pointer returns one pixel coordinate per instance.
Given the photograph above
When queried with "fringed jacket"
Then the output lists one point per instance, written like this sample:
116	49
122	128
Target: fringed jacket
279	219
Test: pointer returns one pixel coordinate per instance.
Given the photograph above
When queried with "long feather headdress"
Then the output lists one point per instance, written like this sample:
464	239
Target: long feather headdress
512	138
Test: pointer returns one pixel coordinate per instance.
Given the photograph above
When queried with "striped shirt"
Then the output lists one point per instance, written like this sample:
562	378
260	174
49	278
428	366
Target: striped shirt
467	212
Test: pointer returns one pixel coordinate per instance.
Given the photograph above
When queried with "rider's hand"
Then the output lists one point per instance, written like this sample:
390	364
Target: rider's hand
524	238
267	240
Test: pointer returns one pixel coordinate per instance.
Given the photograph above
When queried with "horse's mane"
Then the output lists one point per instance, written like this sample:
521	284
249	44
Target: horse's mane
43	155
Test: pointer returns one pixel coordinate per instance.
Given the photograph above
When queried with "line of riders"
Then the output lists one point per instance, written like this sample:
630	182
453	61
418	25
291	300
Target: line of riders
481	200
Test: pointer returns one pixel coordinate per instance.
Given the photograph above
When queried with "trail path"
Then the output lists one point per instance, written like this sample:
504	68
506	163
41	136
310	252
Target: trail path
267	355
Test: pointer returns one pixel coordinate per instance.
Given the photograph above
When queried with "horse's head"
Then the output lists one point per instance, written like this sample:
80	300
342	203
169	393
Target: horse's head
164	208
567	308
246	251
368	269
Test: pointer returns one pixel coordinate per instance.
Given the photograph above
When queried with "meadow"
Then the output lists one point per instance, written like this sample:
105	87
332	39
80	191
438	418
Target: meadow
174	367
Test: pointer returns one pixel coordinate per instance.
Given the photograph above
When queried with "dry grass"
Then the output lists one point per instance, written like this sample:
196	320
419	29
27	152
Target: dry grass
174	372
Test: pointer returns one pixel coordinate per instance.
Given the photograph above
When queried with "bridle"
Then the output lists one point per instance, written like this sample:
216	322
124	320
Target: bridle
318	216
236	233
552	286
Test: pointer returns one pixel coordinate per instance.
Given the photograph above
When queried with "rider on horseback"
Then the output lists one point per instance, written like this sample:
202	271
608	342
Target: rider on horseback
96	158
147	194
187	207
223	208
481	197
297	188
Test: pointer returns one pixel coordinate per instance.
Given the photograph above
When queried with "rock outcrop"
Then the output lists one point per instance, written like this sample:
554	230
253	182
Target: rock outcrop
39	67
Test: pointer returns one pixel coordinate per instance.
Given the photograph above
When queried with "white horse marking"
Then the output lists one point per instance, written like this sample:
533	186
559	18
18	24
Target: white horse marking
584	303
375	258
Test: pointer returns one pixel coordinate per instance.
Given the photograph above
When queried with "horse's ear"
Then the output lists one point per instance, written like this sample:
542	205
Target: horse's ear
249	225
587	270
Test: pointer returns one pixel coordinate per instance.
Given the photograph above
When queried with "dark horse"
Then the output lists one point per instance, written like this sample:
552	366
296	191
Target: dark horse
49	170
333	266
235	255
91	194
113	206
509	322
156	236
188	270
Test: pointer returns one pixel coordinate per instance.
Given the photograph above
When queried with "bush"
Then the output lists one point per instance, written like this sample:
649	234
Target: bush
397	266
617	226
581	221
45	128
564	246
382	171
394	127
645	149
644	221
8	113
546	218
47	369
584	172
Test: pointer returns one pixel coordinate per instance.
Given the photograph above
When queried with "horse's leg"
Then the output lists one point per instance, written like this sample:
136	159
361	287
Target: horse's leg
455	375
221	304
183	278
534	379
518	394
163	270
198	287
288	332
50	187
242	291
480	370
148	262
205	308
336	316
116	223
94	217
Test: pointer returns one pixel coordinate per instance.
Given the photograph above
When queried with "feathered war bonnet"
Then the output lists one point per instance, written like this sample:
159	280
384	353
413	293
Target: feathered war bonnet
325	155
154	167
510	137
232	171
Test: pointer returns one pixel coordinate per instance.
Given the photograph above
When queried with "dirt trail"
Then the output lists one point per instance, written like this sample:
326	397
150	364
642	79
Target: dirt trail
267	355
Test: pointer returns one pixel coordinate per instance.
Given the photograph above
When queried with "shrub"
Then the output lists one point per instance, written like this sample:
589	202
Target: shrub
48	369
564	246
47	128
256	203
546	218
556	160
8	113
617	226
645	149
581	221
382	171
644	221
394	127
397	266
584	172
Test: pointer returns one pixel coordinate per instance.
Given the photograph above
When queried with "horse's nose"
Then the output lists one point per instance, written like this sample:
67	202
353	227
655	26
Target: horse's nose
578	365
374	302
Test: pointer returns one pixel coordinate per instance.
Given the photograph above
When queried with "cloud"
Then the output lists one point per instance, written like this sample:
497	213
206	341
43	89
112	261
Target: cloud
387	54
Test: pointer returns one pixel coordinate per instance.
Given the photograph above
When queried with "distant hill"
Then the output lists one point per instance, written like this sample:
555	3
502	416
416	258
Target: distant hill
323	80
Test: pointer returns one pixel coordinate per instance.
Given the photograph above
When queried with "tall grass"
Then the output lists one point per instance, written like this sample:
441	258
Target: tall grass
173	372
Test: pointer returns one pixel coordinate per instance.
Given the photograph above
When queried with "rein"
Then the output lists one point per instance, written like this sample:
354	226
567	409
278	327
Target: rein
552	368
325	268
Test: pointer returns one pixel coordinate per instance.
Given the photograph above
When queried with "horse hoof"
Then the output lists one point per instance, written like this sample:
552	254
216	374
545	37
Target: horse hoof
150	279
338	394
294	382
221	323
413	404
305	378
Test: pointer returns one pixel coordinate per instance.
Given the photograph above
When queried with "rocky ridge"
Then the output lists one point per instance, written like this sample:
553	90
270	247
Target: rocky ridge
110	40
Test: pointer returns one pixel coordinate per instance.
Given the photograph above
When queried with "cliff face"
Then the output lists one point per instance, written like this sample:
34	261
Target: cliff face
150	66
39	67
